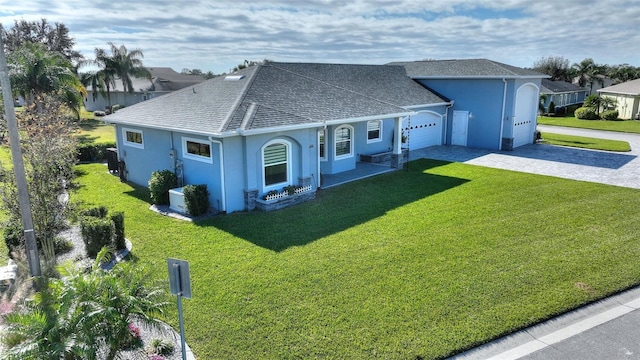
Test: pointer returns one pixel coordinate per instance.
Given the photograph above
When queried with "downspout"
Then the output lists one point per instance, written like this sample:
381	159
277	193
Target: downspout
446	119
504	104
222	182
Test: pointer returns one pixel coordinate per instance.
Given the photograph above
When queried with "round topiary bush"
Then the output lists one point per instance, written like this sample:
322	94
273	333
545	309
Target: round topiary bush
196	198
586	113
610	115
159	185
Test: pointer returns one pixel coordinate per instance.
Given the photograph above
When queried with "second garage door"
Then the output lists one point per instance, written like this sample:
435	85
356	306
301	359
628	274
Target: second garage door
423	129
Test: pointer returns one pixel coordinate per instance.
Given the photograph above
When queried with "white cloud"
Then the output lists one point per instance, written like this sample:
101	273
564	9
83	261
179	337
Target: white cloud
218	35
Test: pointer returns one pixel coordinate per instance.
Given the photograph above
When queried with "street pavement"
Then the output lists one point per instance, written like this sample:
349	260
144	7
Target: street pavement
607	329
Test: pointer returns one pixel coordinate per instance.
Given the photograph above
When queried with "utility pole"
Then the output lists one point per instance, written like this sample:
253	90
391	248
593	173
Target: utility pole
33	256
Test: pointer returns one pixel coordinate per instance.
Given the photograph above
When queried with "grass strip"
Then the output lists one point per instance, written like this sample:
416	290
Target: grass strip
628	126
586	142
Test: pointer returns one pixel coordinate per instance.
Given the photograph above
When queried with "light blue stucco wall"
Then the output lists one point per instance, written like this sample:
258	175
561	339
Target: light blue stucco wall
483	99
156	155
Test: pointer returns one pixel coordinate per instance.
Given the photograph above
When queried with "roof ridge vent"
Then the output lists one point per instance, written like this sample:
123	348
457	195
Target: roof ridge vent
233	77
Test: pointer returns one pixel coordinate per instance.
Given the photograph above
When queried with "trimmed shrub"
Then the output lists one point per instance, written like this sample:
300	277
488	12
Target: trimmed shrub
586	113
196	198
96	234
571	109
610	115
13	238
159	185
98	211
93	151
118	226
552	108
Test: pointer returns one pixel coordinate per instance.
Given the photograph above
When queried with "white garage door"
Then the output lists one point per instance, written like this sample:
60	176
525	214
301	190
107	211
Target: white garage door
423	129
526	108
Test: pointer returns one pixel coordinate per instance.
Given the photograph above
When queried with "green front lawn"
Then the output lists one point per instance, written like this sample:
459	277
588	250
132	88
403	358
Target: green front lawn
630	126
585	142
422	263
95	131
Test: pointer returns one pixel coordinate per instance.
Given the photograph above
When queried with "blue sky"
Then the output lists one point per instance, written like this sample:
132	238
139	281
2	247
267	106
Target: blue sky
217	35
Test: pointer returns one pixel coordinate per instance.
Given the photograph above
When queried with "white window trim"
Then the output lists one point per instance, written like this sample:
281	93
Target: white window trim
379	138
129	143
277	186
195	157
322	158
335	152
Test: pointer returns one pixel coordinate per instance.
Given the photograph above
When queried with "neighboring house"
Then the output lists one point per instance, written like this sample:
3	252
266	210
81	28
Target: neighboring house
627	96
275	125
163	81
495	105
562	93
596	83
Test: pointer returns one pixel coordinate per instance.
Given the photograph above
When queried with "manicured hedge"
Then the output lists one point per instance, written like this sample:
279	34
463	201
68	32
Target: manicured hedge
196	198
159	185
93	151
586	113
96	234
610	115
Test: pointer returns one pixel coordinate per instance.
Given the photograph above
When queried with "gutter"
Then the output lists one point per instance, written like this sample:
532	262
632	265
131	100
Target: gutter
222	182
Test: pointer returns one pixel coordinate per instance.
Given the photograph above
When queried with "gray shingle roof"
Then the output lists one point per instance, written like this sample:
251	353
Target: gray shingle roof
628	88
554	87
466	68
282	94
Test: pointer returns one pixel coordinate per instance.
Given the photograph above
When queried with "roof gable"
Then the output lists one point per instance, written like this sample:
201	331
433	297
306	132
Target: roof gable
628	88
466	68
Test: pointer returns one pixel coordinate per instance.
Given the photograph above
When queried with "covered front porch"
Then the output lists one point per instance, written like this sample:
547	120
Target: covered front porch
362	170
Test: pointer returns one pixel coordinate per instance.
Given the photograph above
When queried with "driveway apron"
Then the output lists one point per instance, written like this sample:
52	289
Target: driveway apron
606	167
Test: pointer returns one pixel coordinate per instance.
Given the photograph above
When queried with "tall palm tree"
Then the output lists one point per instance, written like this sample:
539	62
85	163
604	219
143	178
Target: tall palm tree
127	64
119	63
36	72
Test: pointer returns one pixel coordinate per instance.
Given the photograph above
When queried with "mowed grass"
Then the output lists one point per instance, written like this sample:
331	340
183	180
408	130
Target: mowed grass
420	263
90	130
586	142
629	126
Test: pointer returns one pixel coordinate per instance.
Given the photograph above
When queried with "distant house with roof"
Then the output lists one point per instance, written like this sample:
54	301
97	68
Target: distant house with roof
627	97
276	128
562	93
163	81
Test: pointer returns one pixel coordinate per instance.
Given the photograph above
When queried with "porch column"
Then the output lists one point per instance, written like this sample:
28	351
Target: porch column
397	160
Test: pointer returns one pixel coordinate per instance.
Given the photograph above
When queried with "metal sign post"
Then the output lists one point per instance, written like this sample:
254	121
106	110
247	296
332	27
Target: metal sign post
180	285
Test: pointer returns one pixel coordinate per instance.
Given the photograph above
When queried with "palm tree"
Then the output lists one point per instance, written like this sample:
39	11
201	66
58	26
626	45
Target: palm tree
120	63
36	72
127	64
84	314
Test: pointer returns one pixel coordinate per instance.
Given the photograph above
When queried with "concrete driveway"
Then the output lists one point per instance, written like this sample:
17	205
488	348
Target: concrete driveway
614	168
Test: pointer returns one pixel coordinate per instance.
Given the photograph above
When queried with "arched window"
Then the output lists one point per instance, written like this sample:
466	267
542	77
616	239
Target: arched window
343	142
276	163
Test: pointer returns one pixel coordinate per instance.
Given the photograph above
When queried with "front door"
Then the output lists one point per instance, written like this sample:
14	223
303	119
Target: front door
459	128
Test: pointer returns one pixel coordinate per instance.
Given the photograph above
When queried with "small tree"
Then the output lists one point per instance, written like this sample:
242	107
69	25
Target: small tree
594	102
49	151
